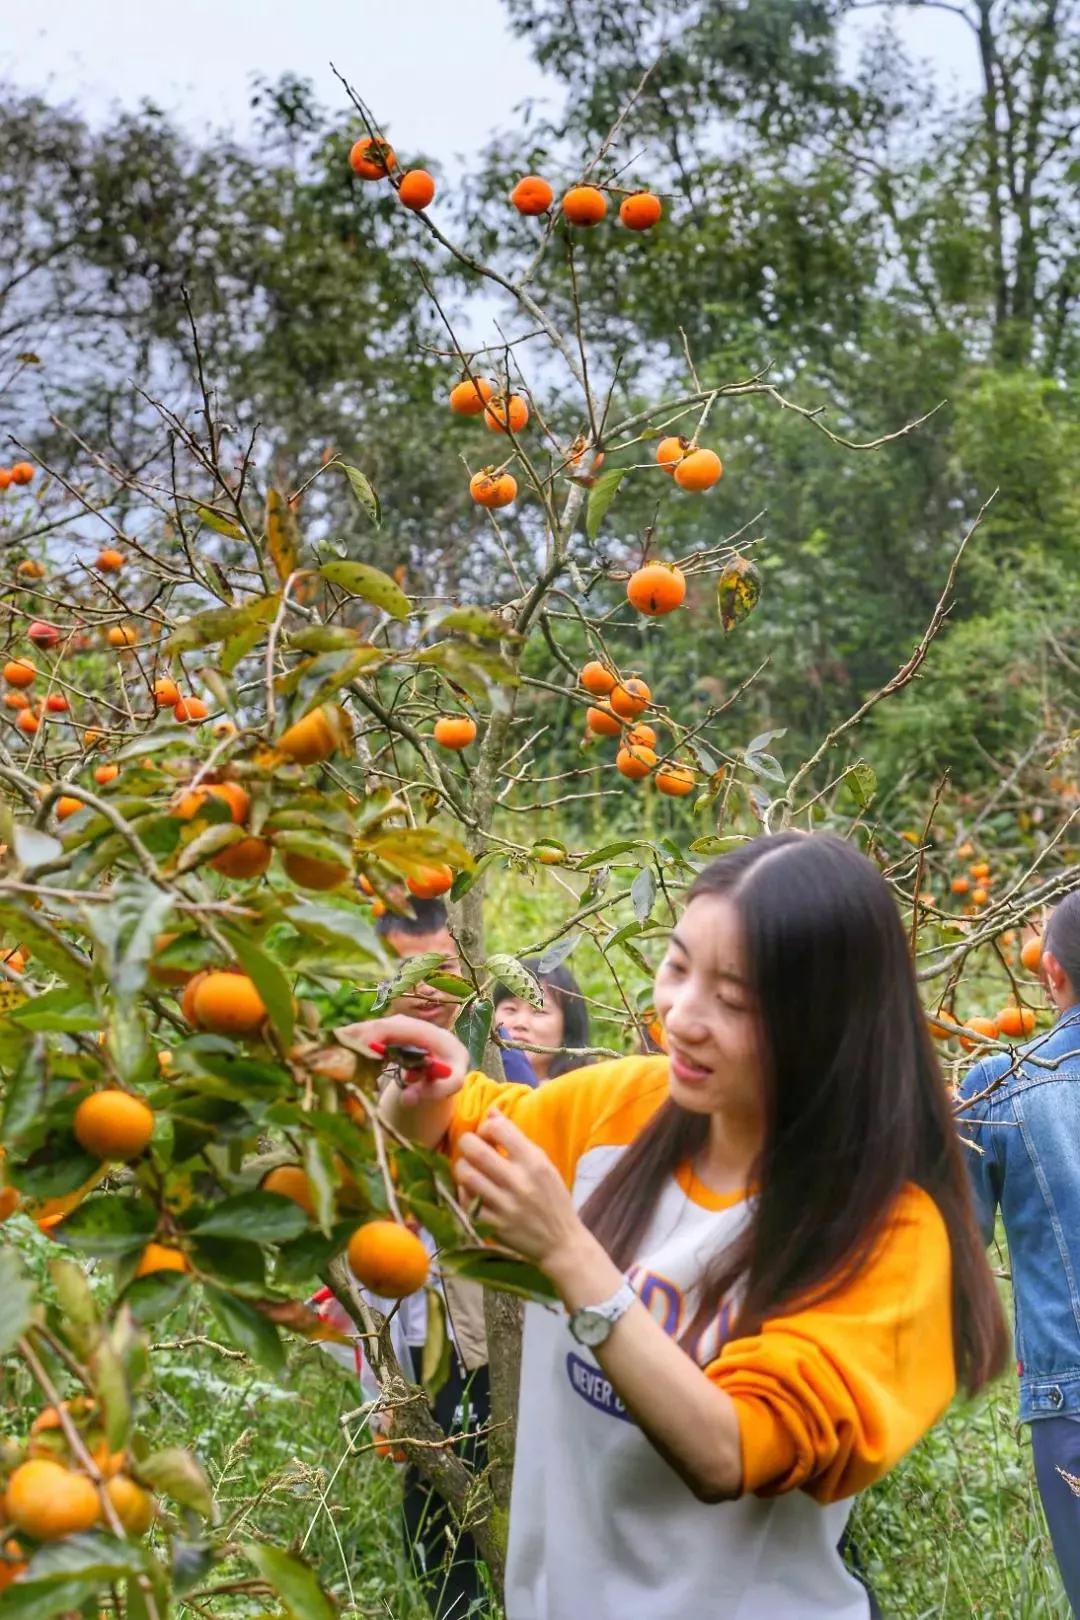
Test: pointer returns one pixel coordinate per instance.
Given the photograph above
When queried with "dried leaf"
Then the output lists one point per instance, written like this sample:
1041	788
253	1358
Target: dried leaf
282	534
738	591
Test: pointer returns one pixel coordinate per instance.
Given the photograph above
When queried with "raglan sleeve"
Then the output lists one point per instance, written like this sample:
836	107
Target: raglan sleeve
566	1115
828	1399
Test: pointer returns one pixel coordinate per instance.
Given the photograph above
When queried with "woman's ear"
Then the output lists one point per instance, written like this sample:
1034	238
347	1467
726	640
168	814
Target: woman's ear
1062	993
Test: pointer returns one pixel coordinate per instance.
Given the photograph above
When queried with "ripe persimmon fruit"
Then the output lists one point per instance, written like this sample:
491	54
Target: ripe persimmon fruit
110	561
371	158
187	1000
190	710
641	736
1031	955
121	635
133	1506
979	1026
12	1561
16	700
1015	1021
308	872
630	698
387	1258
635	761
113	1124
47	1501
584	205
960	885
670	451
507	413
532	195
596	678
455	731
161	1257
657	588
247	858
57	703
981	869
675	780
228	1004
93	738
22	472
222	728
5	478
67	805
979	896
492	489
20	672
290	1181
470	395
640	211
417	189
430	881
943	1025
43	635
166	693
699	470
28	722
317	735
602	722
30	568
104	774
230	793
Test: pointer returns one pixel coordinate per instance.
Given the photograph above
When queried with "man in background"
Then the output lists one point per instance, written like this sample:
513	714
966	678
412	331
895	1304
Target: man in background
1022	1113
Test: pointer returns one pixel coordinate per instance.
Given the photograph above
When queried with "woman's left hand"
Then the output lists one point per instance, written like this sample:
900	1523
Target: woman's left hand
525	1201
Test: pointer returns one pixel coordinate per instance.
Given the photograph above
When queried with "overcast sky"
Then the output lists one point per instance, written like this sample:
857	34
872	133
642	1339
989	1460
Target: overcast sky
441	74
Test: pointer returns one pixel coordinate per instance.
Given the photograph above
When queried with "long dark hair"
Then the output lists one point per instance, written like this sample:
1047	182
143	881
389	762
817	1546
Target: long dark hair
855	1104
559	983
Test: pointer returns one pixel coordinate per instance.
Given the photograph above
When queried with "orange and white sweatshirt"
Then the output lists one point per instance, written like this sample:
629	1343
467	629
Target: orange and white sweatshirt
827	1399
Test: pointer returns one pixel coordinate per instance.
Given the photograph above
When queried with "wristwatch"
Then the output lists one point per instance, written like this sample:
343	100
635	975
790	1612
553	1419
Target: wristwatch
594	1323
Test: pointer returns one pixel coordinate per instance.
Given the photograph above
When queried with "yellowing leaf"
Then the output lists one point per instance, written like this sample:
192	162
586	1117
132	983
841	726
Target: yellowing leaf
371	584
738	591
282	535
365	495
219	522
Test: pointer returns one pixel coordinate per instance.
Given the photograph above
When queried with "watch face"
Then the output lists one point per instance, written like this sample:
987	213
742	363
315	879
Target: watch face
590	1327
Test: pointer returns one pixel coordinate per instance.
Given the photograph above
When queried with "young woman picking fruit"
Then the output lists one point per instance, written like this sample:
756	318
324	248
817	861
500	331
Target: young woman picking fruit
764	1243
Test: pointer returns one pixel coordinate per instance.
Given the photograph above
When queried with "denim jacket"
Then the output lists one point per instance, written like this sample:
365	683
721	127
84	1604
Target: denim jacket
1029	1167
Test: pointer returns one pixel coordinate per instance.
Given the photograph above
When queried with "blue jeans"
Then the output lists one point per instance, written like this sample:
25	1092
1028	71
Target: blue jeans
1056	1445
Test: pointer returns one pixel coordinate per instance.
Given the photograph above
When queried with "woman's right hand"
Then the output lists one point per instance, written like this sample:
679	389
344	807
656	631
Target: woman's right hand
438	1080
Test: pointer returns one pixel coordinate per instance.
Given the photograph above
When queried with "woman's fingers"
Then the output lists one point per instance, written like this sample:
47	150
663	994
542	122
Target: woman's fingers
373	1033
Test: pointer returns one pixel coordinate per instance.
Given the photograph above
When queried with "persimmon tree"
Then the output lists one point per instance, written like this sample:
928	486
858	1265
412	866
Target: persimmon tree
228	740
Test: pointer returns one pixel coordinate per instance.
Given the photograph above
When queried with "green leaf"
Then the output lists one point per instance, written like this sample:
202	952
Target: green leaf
765	766
81	1323
435	1359
366	497
124	932
319	1169
150	1299
282	535
643	894
269	981
406	848
218	624
111	1384
17	1293
472	621
464	881
557	953
473	1027
506	969
860	780
608	852
498	1268
324	638
34	848
219	523
258	1217
713	845
411	972
60	1011
28	1599
738	591
48	948
601	496
246	1329
370	584
211	841
106	1224
176	1474
295	1584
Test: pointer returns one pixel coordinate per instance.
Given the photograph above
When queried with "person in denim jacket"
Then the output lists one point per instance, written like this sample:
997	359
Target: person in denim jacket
1021	1112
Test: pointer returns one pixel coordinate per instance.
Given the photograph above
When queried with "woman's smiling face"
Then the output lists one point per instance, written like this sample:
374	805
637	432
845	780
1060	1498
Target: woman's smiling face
533	1026
709	1012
